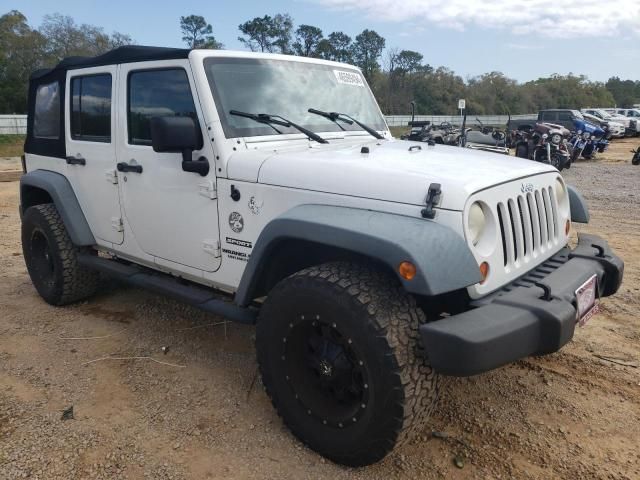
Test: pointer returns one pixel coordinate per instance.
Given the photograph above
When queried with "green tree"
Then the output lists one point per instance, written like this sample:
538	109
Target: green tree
340	47
282	26
197	33
65	38
267	34
21	52
625	93
367	50
307	41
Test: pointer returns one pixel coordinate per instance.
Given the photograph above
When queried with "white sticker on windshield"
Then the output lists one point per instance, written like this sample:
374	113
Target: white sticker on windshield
349	78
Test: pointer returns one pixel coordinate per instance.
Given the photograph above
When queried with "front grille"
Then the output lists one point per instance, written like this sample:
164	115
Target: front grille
528	225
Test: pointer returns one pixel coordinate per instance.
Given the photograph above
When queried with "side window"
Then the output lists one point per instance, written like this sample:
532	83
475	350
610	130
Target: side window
46	121
548	116
91	108
155	93
564	116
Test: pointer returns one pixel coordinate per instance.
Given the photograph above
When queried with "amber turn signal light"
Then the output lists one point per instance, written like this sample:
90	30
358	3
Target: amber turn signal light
407	270
567	227
484	271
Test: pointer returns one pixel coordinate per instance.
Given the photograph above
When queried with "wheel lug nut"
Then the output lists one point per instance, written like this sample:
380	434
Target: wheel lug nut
340	425
354	419
333	325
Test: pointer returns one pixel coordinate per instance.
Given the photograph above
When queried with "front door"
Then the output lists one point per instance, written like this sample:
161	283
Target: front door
91	149
173	214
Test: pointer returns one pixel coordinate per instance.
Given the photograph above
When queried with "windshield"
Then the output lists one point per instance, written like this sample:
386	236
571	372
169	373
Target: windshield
288	89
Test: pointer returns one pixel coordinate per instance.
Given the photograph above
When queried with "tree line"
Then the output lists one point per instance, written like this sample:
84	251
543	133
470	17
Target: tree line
396	76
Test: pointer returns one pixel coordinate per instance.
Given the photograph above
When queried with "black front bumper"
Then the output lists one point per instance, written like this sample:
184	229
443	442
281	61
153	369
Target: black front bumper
535	315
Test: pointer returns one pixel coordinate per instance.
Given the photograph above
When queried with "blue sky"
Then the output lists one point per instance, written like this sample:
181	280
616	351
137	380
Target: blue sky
524	40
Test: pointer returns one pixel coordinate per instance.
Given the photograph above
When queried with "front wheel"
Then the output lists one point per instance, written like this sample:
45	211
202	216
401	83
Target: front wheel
339	353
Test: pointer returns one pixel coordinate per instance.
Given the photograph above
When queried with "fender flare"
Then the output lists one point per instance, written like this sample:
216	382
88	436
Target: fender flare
578	206
65	200
443	260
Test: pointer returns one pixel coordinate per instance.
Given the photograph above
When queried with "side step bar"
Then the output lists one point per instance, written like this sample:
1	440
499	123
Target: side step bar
200	297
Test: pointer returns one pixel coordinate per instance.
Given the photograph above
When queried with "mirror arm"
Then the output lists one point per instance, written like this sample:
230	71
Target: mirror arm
187	155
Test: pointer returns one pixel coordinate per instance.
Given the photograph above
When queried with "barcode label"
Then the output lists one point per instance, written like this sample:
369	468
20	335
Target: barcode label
349	78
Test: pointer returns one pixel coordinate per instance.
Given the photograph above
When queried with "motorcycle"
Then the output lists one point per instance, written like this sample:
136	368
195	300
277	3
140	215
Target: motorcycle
636	157
545	143
587	140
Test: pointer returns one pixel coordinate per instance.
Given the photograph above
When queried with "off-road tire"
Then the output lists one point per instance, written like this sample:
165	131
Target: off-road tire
636	159
382	321
61	280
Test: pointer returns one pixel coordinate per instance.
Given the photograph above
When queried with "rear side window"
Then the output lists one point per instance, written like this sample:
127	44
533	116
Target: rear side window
564	116
91	108
155	93
46	121
546	116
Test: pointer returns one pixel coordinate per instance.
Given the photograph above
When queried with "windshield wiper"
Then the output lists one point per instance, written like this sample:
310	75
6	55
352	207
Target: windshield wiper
343	117
278	120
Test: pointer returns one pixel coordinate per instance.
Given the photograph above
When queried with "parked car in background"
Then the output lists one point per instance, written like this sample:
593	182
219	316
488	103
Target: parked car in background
630	125
613	129
560	116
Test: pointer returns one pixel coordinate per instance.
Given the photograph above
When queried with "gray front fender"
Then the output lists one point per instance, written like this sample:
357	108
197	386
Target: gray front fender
443	259
578	206
61	192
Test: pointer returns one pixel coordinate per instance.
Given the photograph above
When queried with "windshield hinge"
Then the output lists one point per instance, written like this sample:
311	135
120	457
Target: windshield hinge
112	176
433	198
116	224
208	189
212	247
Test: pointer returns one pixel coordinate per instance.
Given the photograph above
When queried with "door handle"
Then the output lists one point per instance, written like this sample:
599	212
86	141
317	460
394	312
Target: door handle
76	161
126	167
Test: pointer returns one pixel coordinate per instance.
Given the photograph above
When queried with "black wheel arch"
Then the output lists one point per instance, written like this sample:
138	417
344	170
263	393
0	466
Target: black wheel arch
43	186
312	234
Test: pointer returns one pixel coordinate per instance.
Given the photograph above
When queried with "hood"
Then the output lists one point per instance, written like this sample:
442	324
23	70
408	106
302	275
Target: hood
390	171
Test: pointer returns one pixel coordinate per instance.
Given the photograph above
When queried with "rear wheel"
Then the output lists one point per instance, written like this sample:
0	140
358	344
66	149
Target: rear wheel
340	357
51	258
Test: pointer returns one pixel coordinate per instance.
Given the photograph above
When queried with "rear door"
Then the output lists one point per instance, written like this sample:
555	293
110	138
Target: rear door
91	149
173	214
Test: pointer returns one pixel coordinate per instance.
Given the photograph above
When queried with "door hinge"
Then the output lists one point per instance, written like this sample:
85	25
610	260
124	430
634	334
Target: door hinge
112	176
116	224
212	247
208	189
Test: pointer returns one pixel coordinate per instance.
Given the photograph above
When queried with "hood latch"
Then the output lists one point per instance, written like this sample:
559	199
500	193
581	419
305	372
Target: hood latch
433	198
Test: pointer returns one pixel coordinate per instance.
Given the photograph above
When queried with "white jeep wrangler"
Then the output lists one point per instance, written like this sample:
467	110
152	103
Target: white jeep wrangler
370	265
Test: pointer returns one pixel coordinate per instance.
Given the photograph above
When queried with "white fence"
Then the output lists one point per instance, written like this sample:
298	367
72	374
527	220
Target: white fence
402	120
13	124
17	124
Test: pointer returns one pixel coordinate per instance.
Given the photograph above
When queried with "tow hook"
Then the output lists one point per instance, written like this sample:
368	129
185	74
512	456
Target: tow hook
433	197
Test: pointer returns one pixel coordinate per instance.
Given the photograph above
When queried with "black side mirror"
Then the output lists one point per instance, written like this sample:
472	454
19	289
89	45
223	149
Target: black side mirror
179	135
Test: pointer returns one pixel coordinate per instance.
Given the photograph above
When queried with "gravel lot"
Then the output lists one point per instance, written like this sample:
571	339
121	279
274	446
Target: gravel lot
203	414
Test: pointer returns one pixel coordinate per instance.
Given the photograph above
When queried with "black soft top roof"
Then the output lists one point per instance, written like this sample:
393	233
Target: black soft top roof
126	54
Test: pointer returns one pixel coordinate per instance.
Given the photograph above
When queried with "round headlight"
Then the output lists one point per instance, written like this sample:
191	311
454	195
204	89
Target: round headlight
556	137
579	132
544	135
586	135
476	222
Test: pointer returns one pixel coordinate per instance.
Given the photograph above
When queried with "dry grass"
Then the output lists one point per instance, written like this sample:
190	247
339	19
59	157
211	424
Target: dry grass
11	145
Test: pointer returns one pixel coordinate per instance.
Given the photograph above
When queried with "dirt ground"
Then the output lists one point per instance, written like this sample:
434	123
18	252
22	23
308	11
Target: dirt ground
203	414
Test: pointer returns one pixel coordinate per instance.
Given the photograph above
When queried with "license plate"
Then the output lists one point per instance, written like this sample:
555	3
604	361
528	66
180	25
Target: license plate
587	300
